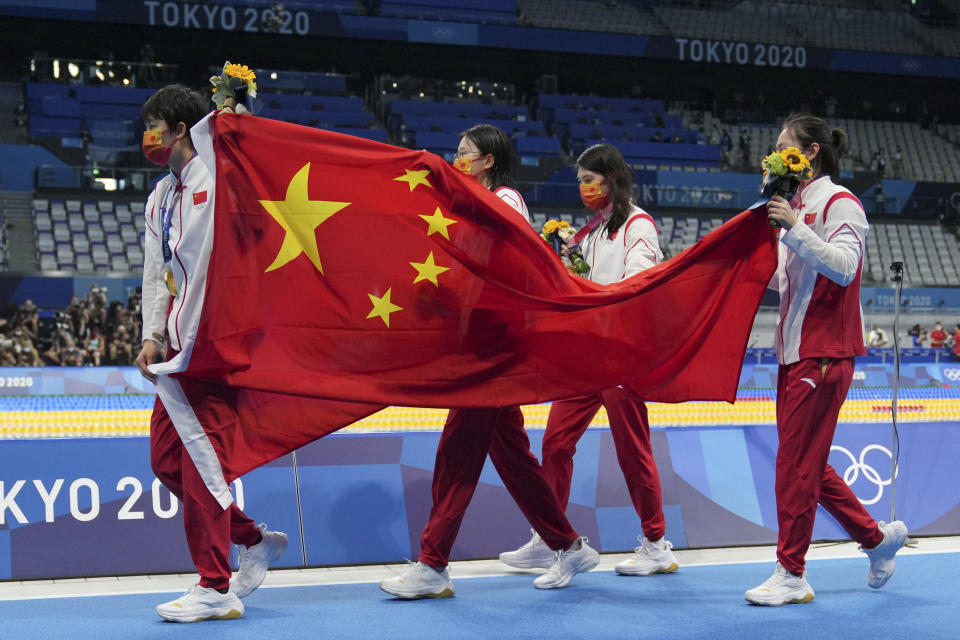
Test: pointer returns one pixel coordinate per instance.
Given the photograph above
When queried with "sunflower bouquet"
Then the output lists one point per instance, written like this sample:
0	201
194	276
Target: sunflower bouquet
234	85
557	233
783	173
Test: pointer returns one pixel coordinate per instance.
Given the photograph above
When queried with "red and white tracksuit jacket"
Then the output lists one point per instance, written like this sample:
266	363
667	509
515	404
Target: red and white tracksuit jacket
819	276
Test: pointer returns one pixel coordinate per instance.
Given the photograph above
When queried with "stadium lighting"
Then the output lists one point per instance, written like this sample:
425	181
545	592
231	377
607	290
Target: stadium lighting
73	69
99	74
273	75
56	69
126	81
109	184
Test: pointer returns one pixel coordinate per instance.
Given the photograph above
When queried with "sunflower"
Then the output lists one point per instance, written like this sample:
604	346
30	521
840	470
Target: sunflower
774	163
794	159
241	71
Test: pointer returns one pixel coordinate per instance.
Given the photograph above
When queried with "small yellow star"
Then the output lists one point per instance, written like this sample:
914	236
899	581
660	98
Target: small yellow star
415	178
428	270
438	223
300	216
382	307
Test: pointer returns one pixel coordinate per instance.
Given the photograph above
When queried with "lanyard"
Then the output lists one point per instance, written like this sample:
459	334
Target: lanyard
587	228
166	216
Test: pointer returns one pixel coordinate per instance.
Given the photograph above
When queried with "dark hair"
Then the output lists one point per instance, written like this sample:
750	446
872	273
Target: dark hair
175	103
607	160
493	141
833	142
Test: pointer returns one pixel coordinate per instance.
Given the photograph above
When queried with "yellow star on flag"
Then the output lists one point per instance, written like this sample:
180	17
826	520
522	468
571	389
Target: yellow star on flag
382	307
415	178
299	216
438	223
428	270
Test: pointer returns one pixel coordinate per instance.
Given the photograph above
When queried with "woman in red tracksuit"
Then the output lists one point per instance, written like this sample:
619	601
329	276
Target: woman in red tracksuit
819	332
486	154
620	241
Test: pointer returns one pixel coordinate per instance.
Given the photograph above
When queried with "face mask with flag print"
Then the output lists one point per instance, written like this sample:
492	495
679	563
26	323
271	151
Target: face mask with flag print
591	193
153	147
464	164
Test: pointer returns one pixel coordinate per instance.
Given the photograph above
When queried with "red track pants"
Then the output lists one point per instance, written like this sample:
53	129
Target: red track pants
631	436
209	531
809	395
467	437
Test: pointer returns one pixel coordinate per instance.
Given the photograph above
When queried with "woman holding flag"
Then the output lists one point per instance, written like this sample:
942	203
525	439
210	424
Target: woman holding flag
619	241
485	153
819	332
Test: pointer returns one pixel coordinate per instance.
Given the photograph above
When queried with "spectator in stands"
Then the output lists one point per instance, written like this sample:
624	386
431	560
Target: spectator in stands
94	347
8	357
897	164
121	349
658	120
880	163
28	319
919	334
819	332
938	336
486	154
96	304
70	357
656	137
619	241
701	136
877	337
21	119
78	314
28	356
745	151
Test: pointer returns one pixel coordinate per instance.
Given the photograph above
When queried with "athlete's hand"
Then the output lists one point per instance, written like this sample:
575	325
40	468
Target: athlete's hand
780	211
146	357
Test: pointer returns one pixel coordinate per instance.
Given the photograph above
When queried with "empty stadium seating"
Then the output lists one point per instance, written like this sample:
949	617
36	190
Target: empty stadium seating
89	236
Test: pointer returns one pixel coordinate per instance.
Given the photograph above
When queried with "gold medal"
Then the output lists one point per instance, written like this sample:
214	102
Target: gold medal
171	283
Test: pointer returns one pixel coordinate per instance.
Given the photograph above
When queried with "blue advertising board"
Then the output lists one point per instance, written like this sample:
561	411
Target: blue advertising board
364	498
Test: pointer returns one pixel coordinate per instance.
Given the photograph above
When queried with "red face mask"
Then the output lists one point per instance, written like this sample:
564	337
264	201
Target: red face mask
153	147
591	193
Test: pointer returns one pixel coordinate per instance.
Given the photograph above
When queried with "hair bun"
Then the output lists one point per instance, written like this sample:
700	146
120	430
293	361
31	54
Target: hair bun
839	139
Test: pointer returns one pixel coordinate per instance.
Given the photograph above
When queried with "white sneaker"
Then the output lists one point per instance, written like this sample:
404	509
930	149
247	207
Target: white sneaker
882	562
255	561
781	588
419	580
567	564
200	603
649	558
533	555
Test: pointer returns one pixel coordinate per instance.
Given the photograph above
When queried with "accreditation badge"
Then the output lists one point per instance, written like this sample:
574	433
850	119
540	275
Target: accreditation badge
170	282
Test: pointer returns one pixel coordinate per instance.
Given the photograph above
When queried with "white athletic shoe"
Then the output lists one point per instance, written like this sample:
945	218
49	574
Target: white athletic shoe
649	558
533	555
579	558
255	561
200	603
781	588
419	580
882	562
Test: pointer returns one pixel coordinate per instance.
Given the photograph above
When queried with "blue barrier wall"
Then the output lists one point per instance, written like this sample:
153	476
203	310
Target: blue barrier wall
365	498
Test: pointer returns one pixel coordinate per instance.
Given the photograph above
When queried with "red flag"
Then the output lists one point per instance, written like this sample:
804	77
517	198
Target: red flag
348	270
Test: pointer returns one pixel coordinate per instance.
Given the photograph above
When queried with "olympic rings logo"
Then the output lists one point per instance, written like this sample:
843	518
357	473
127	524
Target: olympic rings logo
910	65
857	467
953	374
442	33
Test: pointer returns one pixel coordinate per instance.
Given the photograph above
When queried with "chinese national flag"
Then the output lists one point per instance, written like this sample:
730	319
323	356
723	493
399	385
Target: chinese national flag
355	273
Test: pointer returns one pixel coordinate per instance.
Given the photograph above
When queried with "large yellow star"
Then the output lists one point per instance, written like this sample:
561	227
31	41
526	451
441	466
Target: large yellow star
428	270
438	223
300	216
382	307
415	178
